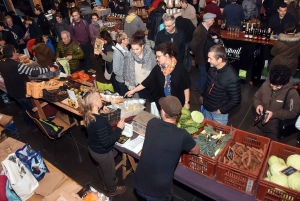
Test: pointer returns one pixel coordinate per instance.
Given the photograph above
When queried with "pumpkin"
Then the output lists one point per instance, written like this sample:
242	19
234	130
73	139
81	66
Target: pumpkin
84	77
80	73
75	76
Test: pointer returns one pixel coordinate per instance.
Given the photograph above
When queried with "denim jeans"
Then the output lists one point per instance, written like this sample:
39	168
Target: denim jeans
187	59
220	118
86	63
25	104
149	198
201	79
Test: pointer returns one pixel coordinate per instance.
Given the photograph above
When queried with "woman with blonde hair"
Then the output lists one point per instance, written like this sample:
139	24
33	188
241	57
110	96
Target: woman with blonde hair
101	139
120	52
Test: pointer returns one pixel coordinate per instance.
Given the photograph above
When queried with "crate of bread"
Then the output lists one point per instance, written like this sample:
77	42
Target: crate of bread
35	89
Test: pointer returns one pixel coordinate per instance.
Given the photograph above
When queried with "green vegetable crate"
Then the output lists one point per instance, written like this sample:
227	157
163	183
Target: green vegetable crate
233	177
204	164
268	191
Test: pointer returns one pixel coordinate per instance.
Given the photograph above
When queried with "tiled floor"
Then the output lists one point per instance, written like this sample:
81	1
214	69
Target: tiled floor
82	172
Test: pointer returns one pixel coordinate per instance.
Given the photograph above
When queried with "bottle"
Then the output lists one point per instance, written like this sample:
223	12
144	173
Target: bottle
244	26
268	35
246	33
259	35
255	34
263	35
251	33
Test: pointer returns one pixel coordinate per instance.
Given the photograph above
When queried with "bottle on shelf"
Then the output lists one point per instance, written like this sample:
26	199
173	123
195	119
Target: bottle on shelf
259	37
263	35
251	33
255	34
244	26
246	33
268	35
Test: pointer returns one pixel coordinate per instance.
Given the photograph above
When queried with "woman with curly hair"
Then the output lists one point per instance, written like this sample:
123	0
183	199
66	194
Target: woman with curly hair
101	139
270	98
167	78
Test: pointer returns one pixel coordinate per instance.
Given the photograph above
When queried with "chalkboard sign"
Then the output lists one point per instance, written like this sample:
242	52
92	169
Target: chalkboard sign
288	171
230	154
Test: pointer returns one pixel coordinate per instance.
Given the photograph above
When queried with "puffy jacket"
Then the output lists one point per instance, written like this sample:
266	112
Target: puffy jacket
72	49
273	101
44	54
286	51
154	20
223	89
250	9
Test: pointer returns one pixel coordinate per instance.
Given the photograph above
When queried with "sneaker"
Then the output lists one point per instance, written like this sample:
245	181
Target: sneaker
116	181
201	100
118	191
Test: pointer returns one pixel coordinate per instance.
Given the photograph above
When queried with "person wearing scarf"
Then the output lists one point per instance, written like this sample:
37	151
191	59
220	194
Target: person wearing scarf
167	78
138	64
95	28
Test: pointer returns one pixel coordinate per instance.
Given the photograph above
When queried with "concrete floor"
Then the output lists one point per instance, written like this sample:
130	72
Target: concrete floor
82	172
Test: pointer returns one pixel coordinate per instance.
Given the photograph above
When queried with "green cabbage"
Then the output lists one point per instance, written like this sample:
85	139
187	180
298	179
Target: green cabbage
280	180
276	168
274	159
267	178
294	160
191	130
185	112
294	181
197	117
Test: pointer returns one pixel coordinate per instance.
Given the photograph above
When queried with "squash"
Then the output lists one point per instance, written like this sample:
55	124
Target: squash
75	76
84	77
80	73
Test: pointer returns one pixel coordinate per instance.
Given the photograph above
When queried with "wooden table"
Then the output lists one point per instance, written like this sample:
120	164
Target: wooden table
225	35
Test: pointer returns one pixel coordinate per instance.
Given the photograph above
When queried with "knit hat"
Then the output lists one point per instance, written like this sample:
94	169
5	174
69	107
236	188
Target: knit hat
208	16
171	105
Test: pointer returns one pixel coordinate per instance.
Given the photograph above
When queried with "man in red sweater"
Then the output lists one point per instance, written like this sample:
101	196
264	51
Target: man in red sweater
212	7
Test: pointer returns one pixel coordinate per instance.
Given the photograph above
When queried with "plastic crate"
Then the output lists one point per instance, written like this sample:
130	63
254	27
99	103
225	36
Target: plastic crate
54	96
113	116
35	90
268	191
236	178
203	164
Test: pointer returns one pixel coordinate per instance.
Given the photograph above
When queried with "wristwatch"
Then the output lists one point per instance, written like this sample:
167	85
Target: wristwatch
187	102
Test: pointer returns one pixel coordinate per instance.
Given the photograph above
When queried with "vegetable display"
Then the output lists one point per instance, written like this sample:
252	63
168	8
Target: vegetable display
277	167
245	158
211	142
191	122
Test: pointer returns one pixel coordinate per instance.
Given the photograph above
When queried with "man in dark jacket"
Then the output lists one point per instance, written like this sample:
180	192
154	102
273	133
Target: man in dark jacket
121	9
271	7
197	47
155	20
15	75
7	36
17	20
212	7
278	21
233	14
188	28
171	33
223	90
17	31
42	21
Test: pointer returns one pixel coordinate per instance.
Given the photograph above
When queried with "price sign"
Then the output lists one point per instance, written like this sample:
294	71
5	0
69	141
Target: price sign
288	171
230	154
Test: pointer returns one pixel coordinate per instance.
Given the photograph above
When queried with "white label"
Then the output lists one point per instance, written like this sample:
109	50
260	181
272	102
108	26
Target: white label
249	185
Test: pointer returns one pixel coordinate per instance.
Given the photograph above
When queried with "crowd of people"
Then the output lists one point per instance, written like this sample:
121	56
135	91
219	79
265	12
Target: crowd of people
158	73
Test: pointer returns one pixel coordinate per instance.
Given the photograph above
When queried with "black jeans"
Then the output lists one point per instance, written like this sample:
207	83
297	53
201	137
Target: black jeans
86	63
107	171
25	104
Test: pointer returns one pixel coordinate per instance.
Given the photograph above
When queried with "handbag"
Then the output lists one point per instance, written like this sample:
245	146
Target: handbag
33	161
286	127
21	179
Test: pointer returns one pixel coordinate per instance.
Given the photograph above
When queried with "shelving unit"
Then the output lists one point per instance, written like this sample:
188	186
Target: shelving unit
141	8
173	6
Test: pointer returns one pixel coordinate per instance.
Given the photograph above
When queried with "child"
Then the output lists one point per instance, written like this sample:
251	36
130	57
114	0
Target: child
49	43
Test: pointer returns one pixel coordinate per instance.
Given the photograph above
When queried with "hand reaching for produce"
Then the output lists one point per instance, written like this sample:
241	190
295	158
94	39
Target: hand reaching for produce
121	124
52	69
105	110
259	109
69	57
187	106
129	93
269	116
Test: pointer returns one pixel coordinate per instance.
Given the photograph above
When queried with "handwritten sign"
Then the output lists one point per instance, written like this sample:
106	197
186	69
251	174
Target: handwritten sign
288	171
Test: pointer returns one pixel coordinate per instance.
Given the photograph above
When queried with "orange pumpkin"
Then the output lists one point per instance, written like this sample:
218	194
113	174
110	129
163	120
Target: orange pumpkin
75	76
80	73
84	77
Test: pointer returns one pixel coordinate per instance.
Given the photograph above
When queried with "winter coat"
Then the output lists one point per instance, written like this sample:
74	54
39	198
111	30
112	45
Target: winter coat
179	40
197	44
187	26
132	24
223	89
154	21
44	54
72	49
273	101
250	9
94	32
286	51
234	14
43	22
59	27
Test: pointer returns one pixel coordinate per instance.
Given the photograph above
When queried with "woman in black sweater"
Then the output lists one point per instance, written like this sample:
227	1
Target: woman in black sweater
167	78
101	139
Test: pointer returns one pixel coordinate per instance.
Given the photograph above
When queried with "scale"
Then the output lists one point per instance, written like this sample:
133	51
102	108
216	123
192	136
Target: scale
138	128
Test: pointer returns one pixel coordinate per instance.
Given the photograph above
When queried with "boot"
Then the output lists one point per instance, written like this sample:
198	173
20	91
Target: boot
118	191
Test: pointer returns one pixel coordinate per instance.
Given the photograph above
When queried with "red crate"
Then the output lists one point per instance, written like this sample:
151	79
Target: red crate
268	191
203	164
236	178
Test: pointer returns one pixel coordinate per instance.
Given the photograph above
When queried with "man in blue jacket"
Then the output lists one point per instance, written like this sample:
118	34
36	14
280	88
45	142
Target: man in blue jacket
233	14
